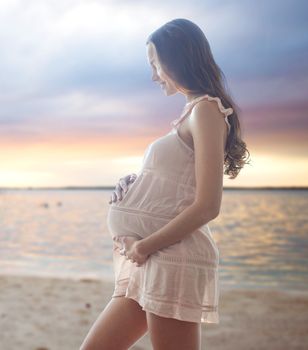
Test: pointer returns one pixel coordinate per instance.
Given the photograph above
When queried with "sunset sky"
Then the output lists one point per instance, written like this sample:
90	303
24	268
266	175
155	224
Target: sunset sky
78	107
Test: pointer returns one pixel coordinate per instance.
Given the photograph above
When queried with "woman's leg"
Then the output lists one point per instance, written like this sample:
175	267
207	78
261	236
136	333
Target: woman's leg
118	327
172	334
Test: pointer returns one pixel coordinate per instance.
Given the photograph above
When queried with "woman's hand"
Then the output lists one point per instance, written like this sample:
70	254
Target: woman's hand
130	248
122	185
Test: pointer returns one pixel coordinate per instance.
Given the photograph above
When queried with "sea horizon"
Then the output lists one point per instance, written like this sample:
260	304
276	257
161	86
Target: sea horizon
103	187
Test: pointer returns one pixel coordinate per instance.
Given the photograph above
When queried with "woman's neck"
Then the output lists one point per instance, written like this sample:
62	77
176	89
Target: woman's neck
190	98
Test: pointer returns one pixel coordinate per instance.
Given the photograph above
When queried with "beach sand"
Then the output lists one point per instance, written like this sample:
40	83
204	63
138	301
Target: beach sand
55	314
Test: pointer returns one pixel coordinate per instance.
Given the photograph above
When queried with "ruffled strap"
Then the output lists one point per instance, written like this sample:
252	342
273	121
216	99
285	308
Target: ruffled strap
188	107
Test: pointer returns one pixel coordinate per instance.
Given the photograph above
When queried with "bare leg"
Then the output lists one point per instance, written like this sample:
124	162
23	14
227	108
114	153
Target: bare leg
172	334
118	327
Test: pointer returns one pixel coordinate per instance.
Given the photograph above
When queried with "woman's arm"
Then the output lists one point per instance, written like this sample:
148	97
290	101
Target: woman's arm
208	129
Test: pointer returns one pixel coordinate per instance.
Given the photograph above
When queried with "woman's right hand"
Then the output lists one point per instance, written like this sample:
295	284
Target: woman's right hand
122	185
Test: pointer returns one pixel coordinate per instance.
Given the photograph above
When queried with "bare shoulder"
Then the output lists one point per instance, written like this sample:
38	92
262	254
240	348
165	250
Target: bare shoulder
206	118
205	112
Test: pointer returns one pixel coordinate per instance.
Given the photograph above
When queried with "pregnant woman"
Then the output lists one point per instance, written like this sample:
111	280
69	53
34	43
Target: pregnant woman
165	258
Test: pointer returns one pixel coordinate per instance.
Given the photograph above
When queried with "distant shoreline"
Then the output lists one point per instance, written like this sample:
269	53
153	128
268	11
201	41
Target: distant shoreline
29	188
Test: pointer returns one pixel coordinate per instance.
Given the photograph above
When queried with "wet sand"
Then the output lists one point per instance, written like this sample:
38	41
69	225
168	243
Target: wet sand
56	314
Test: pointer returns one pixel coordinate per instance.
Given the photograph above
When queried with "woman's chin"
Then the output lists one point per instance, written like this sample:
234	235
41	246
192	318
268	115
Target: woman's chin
165	89
169	92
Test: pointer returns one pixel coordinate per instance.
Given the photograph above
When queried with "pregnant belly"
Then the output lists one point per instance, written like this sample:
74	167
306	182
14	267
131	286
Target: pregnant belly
126	223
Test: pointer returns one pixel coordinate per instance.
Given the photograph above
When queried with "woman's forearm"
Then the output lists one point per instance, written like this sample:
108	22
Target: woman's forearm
190	219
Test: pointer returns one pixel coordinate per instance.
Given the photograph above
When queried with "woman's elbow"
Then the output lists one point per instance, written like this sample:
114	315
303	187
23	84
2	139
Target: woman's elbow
207	213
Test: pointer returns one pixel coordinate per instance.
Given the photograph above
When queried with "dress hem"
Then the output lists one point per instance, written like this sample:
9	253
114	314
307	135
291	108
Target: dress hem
184	313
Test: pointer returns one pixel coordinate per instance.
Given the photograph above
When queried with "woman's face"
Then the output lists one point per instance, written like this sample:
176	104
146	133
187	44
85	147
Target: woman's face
159	74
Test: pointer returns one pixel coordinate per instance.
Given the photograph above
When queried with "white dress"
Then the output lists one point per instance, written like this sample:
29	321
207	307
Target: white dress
180	281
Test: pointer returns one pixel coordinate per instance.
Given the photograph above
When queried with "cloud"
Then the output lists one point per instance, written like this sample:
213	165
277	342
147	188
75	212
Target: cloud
84	62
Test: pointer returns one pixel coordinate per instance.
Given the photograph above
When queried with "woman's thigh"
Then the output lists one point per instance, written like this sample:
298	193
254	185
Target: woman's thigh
119	326
172	334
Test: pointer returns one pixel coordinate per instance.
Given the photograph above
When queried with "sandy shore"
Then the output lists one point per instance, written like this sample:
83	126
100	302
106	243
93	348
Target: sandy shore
56	314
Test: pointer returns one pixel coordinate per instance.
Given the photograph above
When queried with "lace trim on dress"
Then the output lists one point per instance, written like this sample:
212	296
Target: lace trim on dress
189	106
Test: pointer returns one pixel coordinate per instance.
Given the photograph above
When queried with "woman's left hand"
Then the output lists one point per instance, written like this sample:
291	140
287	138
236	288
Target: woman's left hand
130	248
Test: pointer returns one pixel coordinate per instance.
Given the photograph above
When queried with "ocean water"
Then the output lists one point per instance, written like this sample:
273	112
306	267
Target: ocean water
262	236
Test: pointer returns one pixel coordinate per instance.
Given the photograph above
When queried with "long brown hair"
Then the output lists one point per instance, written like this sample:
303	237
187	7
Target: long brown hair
186	56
